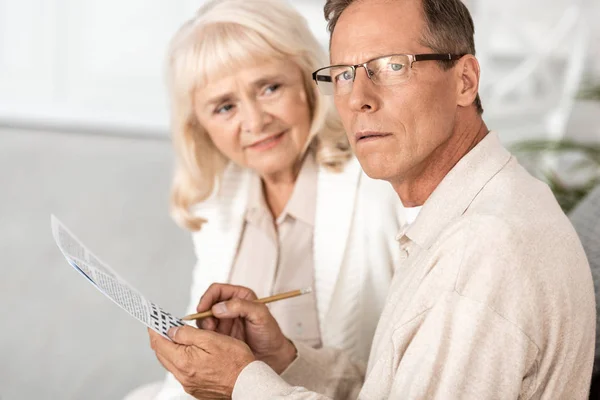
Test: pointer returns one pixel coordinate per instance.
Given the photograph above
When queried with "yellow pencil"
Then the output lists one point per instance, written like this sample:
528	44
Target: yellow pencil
264	300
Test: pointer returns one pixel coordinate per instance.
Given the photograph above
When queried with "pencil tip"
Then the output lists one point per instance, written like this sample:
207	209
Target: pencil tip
307	290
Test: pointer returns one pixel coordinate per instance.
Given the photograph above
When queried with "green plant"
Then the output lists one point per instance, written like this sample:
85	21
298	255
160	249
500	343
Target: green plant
542	157
590	93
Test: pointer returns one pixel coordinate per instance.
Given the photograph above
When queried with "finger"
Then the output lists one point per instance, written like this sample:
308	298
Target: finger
154	338
179	368
161	345
188	346
166	363
169	354
256	313
218	292
190	336
224	326
208	324
237	330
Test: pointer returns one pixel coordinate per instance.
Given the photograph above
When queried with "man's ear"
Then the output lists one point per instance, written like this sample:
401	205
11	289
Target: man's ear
468	72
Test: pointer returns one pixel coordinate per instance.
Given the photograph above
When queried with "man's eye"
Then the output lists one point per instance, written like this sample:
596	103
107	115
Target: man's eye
344	76
224	109
396	67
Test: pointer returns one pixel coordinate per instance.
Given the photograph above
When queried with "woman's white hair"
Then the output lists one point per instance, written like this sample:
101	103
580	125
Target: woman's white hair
224	36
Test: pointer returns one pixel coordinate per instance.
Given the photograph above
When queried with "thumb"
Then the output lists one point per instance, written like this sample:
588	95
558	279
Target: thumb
190	336
250	310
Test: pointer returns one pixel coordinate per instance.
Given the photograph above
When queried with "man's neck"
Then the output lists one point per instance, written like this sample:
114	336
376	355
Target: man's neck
416	188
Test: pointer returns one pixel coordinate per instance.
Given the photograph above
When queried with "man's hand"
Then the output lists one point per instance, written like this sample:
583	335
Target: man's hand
206	363
238	316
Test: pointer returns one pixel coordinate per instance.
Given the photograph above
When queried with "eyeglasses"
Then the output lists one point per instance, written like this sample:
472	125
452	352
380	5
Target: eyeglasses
382	71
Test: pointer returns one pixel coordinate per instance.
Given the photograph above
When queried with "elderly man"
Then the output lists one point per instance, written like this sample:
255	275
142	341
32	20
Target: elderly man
493	297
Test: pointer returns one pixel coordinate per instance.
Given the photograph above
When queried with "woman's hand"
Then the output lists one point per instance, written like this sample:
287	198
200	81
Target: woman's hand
238	316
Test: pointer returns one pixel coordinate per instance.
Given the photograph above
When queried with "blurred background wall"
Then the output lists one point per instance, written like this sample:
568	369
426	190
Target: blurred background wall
83	134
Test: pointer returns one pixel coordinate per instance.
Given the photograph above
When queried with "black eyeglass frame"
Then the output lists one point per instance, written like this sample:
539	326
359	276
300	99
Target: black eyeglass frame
413	58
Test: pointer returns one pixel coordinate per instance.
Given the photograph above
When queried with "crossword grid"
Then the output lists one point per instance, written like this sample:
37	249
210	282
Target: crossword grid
162	320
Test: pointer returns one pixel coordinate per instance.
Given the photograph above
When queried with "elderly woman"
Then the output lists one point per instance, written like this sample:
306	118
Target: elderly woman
266	180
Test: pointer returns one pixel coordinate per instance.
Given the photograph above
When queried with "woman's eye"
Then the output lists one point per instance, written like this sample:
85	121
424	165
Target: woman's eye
224	109
272	88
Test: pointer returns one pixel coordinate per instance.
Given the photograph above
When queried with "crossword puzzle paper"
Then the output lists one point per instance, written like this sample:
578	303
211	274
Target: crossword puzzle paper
110	283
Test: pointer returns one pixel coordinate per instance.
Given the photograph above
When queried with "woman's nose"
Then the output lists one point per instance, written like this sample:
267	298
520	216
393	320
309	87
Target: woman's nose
254	117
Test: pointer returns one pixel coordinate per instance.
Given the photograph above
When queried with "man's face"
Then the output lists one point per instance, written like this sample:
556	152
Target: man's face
393	130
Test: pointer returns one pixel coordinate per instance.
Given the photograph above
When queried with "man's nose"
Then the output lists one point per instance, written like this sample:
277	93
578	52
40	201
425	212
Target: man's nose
363	96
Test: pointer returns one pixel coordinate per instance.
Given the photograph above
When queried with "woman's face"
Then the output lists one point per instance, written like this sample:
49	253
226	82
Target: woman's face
258	117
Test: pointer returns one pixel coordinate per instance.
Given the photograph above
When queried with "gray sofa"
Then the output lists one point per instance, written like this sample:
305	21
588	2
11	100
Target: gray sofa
61	339
586	220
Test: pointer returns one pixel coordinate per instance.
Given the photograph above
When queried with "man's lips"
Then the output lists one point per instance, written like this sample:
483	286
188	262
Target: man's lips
370	135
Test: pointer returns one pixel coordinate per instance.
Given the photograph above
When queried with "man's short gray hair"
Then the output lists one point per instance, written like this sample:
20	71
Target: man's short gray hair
448	28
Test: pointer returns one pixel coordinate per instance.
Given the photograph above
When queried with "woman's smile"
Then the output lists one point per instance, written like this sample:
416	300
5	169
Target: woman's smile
267	143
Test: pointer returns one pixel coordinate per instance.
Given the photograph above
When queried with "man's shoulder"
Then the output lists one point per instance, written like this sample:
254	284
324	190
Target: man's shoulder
517	269
533	238
500	248
514	193
523	209
483	236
